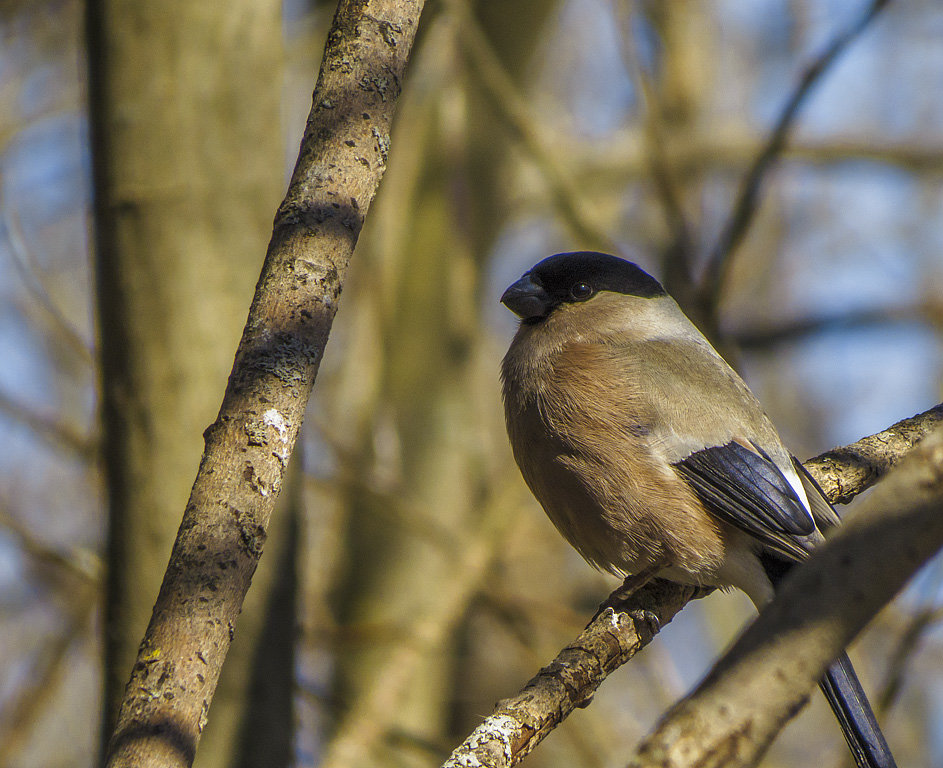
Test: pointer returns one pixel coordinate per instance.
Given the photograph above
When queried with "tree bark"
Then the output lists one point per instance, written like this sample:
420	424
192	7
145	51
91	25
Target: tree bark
219	543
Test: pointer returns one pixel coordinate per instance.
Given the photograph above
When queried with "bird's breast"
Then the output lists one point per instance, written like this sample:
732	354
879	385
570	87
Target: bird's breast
587	442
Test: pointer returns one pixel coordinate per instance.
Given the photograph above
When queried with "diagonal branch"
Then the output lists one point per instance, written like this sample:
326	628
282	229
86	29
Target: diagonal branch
741	216
24	709
518	724
31	275
845	472
342	158
55	433
79	564
521	722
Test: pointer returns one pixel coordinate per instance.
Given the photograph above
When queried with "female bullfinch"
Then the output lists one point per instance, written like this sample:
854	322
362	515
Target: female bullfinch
650	454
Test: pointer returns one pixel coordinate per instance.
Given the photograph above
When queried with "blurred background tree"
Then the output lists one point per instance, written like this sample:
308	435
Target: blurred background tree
429	583
187	172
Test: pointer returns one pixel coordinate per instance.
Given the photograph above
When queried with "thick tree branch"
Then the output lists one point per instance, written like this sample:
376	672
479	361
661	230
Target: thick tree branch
519	723
770	672
342	158
845	472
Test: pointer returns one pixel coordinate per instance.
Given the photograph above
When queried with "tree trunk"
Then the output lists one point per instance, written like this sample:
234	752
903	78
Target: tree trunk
188	166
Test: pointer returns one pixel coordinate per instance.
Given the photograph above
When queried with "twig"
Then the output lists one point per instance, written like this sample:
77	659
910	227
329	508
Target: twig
21	715
31	275
741	216
920	624
372	716
55	433
763	338
82	564
624	156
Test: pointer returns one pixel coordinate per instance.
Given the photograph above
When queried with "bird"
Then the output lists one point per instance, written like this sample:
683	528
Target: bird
650	454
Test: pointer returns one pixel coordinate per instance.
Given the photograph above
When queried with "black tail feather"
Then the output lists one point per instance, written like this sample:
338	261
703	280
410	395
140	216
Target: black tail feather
850	705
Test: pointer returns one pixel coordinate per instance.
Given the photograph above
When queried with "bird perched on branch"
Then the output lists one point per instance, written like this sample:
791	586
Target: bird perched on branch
650	454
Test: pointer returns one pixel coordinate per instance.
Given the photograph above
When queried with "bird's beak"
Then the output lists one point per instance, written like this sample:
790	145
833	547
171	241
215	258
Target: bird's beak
527	299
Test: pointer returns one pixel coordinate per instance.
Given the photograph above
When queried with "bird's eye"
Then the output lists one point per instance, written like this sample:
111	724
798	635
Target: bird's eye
581	291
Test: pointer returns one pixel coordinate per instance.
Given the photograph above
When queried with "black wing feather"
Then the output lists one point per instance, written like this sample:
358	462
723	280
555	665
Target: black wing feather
747	490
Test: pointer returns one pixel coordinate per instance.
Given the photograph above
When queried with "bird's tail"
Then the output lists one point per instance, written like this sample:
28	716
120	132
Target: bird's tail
847	700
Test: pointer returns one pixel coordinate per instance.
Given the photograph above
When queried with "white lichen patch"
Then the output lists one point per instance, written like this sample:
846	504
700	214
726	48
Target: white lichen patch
495	731
272	418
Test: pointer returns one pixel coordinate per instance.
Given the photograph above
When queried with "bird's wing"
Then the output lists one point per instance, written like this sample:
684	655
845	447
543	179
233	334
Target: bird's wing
745	488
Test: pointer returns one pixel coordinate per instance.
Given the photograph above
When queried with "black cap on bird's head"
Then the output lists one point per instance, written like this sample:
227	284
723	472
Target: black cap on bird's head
569	278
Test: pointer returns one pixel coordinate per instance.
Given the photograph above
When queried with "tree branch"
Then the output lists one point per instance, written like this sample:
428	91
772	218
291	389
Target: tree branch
371	716
845	472
764	338
81	564
678	253
521	722
342	158
22	713
31	275
55	433
748	199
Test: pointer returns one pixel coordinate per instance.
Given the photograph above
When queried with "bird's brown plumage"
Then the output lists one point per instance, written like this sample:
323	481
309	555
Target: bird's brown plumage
590	402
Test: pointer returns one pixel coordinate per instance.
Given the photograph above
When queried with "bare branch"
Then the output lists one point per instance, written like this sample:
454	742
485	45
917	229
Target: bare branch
372	716
55	433
21	714
82	564
663	174
764	337
342	158
918	627
520	723
748	199
32	276
845	472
